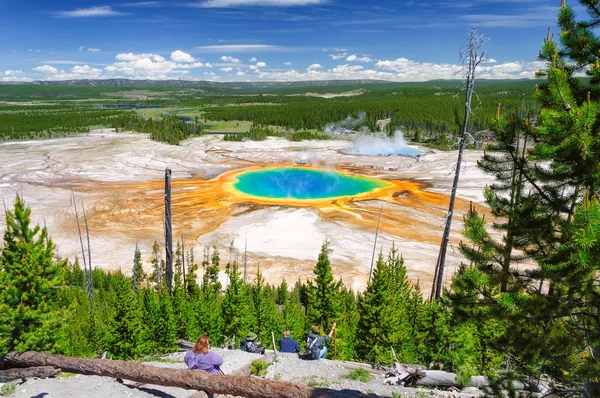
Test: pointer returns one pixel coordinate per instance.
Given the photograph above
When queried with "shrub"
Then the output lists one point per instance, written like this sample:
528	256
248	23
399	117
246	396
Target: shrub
258	368
360	374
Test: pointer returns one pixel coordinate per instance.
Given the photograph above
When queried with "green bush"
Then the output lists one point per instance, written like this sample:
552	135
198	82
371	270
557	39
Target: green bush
258	368
360	374
7	389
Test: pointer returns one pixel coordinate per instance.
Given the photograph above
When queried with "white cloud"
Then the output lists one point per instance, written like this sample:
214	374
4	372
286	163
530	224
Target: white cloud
228	69
405	70
93	50
13	73
86	70
134	57
338	56
46	69
148	65
180	56
287	63
253	59
354	58
240	73
10	75
245	3
81	48
238	48
491	61
208	65
104	11
229	59
258	65
314	67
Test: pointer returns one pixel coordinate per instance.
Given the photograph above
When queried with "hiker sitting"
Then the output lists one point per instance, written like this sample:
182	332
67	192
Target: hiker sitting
315	344
287	343
249	344
201	358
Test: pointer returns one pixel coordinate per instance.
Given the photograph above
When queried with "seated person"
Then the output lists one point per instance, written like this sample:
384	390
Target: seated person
249	344
201	358
288	344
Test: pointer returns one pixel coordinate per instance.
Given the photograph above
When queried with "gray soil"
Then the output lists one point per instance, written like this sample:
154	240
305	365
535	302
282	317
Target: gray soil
284	367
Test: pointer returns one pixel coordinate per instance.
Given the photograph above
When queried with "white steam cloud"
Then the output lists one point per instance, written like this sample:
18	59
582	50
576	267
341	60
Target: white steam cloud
380	144
347	125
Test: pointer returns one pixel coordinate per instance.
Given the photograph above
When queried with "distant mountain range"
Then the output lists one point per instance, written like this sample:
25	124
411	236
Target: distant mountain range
176	83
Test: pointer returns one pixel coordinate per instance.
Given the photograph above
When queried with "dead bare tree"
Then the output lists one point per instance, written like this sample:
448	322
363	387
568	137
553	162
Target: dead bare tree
87	271
472	55
168	231
375	243
90	281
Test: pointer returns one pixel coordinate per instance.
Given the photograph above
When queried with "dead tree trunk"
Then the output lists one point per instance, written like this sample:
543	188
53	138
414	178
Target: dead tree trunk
41	372
473	56
168	231
241	386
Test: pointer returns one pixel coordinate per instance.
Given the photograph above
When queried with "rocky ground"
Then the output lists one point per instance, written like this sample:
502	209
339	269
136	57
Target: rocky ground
285	367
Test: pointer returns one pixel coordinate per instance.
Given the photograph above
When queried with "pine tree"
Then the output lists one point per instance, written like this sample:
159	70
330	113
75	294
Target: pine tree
192	276
546	310
293	316
266	317
236	308
323	303
178	268
373	328
211	275
159	272
124	336
30	278
346	333
138	275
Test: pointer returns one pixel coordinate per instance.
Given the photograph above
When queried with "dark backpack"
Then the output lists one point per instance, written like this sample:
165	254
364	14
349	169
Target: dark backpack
312	348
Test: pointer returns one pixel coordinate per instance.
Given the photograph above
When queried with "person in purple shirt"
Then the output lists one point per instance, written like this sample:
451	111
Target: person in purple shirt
201	358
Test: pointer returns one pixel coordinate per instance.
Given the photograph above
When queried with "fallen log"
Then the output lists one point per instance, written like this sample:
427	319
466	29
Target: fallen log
185	344
251	387
41	372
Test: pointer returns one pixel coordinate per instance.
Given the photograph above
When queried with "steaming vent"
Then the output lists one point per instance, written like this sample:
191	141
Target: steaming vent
379	144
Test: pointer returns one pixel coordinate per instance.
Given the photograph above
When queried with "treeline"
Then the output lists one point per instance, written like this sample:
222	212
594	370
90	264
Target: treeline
168	128
426	109
31	122
259	133
255	133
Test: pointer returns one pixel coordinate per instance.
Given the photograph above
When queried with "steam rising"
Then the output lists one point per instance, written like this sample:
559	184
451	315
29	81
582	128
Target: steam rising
379	144
348	124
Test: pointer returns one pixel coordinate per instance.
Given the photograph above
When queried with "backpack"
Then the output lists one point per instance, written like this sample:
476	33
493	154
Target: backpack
312	348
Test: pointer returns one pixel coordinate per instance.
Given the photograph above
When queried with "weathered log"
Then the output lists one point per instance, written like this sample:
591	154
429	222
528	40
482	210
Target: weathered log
41	372
438	378
241	386
185	344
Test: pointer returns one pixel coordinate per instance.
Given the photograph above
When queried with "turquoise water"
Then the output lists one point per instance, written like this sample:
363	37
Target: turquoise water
297	183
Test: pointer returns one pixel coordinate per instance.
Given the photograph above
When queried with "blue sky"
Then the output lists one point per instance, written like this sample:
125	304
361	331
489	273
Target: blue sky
241	40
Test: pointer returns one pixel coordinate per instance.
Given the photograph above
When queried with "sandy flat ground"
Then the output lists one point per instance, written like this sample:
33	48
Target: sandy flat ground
119	180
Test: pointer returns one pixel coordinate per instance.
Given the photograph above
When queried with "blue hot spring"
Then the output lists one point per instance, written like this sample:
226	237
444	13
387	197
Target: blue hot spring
303	184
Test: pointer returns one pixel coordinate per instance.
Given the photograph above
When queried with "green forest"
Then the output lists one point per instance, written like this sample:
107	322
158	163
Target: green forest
495	318
426	114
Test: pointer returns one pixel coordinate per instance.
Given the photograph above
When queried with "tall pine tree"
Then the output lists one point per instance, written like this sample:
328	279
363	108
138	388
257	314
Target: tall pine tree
30	279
